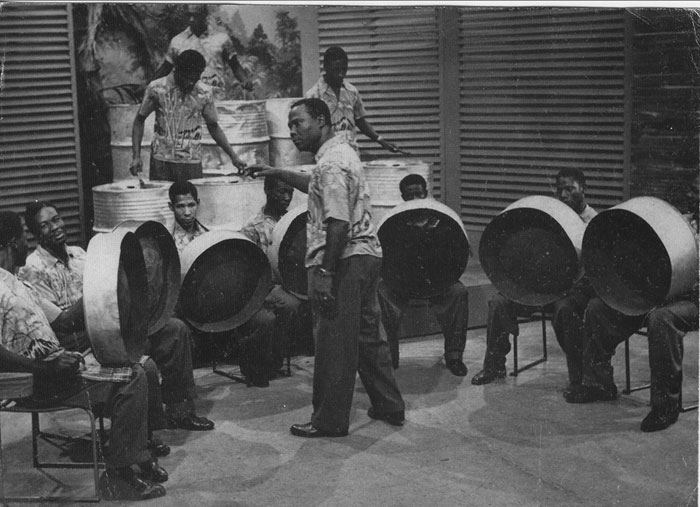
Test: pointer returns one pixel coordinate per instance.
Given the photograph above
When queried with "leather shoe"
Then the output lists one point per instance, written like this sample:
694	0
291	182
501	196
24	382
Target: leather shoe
487	375
158	448
393	418
308	430
152	471
457	367
124	484
659	419
258	380
190	422
588	394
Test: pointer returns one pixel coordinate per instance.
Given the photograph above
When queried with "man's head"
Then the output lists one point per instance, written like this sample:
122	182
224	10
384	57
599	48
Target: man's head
197	18
189	66
335	65
279	195
571	188
45	223
13	241
412	187
309	124
184	202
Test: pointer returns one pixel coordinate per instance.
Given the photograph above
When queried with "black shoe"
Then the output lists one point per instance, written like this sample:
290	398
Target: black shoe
393	418
572	389
457	367
124	484
487	375
190	422
158	448
308	430
258	380
589	394
659	419
152	471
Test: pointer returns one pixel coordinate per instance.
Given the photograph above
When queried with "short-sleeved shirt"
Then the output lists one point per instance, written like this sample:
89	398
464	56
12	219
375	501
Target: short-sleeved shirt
338	189
259	230
213	46
183	238
58	282
345	109
178	127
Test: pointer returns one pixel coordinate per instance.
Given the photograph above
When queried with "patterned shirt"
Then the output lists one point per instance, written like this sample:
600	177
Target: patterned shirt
259	230
587	214
178	128
345	108
214	47
338	189
183	238
54	280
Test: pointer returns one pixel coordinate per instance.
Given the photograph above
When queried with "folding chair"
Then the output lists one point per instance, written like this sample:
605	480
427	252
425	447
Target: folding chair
540	315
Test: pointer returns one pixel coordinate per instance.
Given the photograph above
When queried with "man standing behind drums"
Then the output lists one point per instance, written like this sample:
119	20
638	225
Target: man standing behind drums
282	303
450	308
215	47
567	319
343	100
181	102
343	259
56	272
28	344
606	328
256	334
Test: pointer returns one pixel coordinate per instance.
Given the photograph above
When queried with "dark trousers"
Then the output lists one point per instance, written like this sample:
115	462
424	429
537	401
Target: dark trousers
349	342
666	327
255	343
174	171
451	309
286	307
567	321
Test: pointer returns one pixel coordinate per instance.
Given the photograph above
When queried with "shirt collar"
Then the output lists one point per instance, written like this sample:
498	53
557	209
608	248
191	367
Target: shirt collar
325	86
333	141
49	258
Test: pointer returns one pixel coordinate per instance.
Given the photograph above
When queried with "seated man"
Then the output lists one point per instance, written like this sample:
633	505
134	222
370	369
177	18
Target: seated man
28	344
567	319
255	336
279	301
450	308
56	271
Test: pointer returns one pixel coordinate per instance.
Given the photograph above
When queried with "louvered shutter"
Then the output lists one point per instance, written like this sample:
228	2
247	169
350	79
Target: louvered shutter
39	154
393	54
540	89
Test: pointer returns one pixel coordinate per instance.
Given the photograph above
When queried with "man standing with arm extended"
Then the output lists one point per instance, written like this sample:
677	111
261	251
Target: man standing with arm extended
181	102
343	258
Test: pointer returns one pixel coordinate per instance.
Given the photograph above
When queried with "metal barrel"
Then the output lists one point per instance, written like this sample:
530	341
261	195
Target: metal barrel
124	200
640	254
287	251
283	153
115	286
531	250
121	119
425	248
225	279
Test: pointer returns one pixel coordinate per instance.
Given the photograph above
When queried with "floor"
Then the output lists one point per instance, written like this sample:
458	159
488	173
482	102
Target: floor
515	442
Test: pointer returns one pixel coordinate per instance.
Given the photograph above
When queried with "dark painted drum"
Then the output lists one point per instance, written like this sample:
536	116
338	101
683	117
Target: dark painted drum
425	248
115	287
225	279
531	250
287	252
162	269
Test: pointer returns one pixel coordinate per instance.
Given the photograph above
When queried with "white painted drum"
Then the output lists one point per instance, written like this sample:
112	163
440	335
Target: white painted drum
283	153
124	200
121	120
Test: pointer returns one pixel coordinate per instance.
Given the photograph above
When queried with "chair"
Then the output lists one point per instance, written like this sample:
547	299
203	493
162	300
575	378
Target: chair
14	387
540	315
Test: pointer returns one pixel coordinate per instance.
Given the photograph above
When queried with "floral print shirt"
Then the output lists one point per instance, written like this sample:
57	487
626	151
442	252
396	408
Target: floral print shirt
59	283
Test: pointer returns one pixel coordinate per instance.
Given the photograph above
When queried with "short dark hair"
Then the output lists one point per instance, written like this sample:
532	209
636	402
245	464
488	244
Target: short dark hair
10	227
413	179
30	213
198	9
315	107
270	183
334	53
182	188
573	173
190	60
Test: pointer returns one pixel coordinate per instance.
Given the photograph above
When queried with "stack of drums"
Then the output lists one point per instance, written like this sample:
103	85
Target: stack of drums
383	177
283	153
121	120
129	200
245	126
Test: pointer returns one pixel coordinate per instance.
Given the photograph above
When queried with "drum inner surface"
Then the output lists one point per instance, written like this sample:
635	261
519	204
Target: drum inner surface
156	271
292	254
131	293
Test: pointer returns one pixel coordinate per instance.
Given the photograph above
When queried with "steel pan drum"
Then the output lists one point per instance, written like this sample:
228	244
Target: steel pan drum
225	278
115	289
287	251
162	269
425	248
640	254
531	250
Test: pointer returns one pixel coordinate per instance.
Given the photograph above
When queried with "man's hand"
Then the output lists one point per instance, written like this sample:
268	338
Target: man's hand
136	166
65	365
392	147
323	294
239	164
255	170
